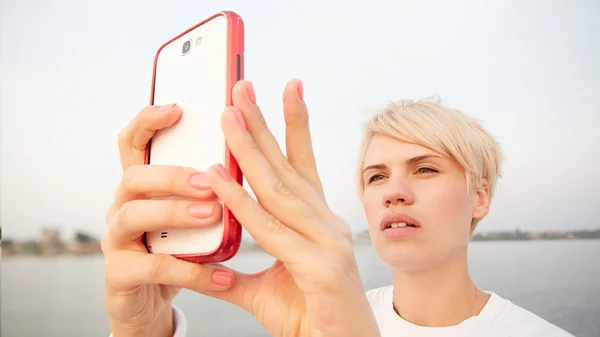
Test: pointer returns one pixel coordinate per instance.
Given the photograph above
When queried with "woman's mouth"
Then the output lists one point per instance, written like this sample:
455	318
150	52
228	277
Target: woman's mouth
400	224
396	225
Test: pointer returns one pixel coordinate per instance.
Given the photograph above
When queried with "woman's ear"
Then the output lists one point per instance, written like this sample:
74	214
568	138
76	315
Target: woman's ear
482	202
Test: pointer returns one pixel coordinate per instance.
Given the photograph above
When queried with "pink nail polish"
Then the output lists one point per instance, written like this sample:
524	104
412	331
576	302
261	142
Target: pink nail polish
300	89
201	210
250	91
222	172
165	107
199	181
239	116
223	278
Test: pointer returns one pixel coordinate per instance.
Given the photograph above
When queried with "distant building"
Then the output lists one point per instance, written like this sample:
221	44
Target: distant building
50	242
50	236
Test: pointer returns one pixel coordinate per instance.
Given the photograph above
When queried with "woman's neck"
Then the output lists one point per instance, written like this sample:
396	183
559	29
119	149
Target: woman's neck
442	296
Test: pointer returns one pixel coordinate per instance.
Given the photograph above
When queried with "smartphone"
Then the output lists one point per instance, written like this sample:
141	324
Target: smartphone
197	69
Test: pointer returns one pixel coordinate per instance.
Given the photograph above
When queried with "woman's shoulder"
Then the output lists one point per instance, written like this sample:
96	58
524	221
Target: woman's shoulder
499	315
518	321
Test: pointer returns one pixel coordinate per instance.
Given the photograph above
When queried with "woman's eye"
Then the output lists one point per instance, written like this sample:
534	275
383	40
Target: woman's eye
426	170
375	177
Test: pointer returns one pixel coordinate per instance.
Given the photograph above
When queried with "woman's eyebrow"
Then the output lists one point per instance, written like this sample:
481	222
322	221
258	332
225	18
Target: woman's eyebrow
417	159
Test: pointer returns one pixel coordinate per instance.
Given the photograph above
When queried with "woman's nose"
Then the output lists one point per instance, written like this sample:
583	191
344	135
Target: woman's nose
398	194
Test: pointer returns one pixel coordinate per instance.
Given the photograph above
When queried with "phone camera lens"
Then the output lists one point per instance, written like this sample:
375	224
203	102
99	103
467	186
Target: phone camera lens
186	47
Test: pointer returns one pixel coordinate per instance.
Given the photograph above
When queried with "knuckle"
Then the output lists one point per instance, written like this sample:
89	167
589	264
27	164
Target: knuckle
304	160
261	122
253	147
120	217
124	138
117	223
173	177
336	234
296	115
156	266
272	224
170	211
287	165
130	179
342	231
240	196
282	192
197	276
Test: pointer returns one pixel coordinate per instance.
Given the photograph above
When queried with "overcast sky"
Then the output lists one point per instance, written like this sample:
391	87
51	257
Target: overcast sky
73	73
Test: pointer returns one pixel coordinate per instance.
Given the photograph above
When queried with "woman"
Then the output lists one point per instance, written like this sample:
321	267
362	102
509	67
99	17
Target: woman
426	177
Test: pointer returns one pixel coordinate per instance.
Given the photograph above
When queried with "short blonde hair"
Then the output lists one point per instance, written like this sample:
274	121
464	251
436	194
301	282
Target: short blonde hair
451	132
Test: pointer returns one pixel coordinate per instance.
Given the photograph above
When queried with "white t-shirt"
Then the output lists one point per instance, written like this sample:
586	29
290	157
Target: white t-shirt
499	318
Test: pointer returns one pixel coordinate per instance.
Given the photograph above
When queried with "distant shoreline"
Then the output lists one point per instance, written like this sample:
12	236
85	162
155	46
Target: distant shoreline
51	244
518	235
246	248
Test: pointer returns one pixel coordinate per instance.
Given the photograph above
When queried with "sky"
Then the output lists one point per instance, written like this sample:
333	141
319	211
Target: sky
73	73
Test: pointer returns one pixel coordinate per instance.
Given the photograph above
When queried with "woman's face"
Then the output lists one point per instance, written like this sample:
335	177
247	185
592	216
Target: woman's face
417	204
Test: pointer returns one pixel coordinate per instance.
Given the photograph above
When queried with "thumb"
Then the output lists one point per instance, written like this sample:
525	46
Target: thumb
241	293
136	135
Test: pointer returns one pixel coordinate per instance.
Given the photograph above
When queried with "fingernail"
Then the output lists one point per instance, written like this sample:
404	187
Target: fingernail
201	210
223	278
222	172
166	107
300	89
199	181
239	116
250	91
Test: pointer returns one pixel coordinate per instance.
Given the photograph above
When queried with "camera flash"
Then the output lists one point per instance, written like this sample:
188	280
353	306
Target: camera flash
198	40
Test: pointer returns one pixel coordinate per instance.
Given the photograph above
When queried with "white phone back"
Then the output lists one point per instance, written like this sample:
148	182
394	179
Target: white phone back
197	82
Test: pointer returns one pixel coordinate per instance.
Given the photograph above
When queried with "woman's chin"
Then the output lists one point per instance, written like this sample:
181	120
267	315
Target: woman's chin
415	256
403	256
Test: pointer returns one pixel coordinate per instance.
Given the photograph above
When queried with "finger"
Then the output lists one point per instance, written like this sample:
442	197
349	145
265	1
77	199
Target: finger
297	135
279	240
139	216
241	291
126	269
278	193
253	119
134	138
146	181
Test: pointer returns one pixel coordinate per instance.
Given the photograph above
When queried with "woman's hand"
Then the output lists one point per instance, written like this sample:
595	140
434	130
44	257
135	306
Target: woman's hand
314	288
139	286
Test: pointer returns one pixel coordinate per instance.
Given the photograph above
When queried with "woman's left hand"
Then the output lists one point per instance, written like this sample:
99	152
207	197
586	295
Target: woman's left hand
314	287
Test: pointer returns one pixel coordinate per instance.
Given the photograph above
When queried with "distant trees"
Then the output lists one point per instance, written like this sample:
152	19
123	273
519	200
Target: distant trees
81	237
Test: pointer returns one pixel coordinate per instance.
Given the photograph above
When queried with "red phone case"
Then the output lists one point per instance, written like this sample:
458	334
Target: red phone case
232	233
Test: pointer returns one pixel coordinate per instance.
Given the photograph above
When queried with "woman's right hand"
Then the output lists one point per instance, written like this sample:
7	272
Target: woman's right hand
140	286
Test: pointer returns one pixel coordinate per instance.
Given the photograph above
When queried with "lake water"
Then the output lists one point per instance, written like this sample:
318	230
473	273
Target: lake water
52	297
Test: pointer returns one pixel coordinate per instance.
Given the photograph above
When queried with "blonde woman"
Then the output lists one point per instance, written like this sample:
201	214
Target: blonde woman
426	177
